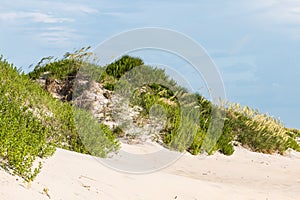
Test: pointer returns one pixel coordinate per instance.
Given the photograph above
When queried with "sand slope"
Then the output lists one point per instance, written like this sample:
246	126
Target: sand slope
245	175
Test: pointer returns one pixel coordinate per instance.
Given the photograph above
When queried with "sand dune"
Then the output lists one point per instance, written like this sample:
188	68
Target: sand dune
245	175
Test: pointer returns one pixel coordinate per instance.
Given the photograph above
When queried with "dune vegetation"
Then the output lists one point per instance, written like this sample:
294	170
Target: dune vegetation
33	123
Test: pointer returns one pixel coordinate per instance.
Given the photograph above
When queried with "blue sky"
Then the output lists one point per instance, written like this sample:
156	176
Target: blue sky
255	44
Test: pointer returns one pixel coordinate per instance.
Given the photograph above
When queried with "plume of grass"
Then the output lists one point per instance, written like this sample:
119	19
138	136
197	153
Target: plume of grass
260	132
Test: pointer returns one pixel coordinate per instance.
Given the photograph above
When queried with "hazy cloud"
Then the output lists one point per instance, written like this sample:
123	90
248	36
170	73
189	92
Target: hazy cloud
280	16
237	69
60	36
241	43
76	8
32	17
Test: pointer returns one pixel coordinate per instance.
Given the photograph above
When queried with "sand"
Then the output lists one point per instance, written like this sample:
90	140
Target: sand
244	175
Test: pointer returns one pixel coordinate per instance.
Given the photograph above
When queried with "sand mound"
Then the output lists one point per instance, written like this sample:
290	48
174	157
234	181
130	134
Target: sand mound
245	175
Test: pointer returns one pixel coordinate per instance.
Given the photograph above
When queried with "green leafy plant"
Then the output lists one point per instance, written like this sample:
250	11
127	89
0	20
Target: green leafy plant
33	122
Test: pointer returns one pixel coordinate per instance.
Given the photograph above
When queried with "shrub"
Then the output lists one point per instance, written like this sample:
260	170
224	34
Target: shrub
118	68
97	138
62	69
33	123
23	137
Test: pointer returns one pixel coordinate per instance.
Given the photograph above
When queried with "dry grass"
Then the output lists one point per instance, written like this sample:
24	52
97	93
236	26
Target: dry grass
262	123
259	132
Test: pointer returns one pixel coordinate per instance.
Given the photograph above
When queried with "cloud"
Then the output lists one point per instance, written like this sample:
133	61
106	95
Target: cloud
80	8
32	17
236	70
278	16
244	73
239	46
72	6
60	36
283	12
276	85
115	14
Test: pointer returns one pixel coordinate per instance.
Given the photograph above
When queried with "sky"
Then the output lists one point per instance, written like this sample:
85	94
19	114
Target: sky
254	44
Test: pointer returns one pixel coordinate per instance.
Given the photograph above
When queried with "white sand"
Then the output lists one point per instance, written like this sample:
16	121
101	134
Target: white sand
245	175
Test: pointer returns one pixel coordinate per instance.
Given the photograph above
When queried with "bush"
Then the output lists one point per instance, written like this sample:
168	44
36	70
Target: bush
118	68
23	137
62	69
33	123
97	138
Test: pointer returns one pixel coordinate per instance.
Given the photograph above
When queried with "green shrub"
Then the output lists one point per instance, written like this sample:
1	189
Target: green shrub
195	147
118	68
118	132
23	137
62	69
97	138
33	123
109	86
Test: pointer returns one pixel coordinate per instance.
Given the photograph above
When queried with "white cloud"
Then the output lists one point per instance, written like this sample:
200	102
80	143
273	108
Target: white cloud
277	85
239	76
115	14
58	35
46	22
240	44
79	8
283	12
72	6
32	17
236	70
280	16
